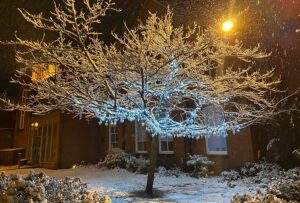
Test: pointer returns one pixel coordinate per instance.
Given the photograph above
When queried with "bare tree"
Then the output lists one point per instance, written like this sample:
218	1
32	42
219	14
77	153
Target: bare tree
170	78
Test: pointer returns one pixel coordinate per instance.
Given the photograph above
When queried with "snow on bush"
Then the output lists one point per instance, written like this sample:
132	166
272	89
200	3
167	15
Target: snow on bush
284	188
253	169
198	165
39	188
262	172
174	171
287	189
124	160
259	198
230	175
288	186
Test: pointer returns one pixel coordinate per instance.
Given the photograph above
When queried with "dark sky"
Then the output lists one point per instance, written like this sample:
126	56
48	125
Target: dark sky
11	22
272	23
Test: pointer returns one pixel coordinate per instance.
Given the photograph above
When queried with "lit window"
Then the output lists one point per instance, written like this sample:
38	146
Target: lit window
42	72
113	137
166	145
215	143
140	137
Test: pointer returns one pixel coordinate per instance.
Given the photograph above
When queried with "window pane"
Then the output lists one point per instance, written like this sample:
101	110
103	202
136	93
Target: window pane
113	136
141	146
214	117
164	146
43	71
217	143
170	145
141	136
112	129
141	132
166	138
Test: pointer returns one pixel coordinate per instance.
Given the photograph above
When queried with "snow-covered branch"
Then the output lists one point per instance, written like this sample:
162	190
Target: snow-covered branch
171	78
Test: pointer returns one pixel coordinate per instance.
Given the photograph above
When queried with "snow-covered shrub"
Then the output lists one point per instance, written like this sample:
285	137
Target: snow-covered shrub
261	170
285	188
142	164
293	173
198	165
174	171
124	160
112	160
39	188
230	175
283	191
250	169
258	198
288	187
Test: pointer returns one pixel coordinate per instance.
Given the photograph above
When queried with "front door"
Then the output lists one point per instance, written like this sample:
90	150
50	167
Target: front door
42	142
35	137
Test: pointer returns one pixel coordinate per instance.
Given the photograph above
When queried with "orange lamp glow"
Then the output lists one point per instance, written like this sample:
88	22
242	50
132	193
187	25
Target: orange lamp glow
227	26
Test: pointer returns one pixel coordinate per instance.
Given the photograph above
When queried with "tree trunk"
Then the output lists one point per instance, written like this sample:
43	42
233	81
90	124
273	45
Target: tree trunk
152	165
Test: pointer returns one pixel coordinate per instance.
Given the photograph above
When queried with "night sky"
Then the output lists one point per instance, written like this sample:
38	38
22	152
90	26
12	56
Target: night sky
272	23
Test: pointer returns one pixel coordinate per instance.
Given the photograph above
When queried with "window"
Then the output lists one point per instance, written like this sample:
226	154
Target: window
22	113
113	137
216	144
140	137
166	145
42	72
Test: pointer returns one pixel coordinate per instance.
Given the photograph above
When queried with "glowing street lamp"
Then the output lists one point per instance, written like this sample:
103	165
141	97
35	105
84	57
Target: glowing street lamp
227	26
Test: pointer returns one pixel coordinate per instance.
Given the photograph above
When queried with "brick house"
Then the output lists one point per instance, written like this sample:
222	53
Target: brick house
58	140
230	152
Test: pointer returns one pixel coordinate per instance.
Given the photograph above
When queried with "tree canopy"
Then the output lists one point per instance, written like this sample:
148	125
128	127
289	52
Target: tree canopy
173	79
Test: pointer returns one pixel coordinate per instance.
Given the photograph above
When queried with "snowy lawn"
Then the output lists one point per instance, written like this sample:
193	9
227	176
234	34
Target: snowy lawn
123	186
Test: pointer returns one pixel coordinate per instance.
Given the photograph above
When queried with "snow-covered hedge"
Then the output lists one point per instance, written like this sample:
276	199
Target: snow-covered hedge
253	169
198	165
39	188
282	188
288	186
124	160
258	198
260	173
174	171
230	175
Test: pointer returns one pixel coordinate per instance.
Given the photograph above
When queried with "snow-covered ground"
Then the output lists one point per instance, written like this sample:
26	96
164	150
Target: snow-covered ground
123	186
